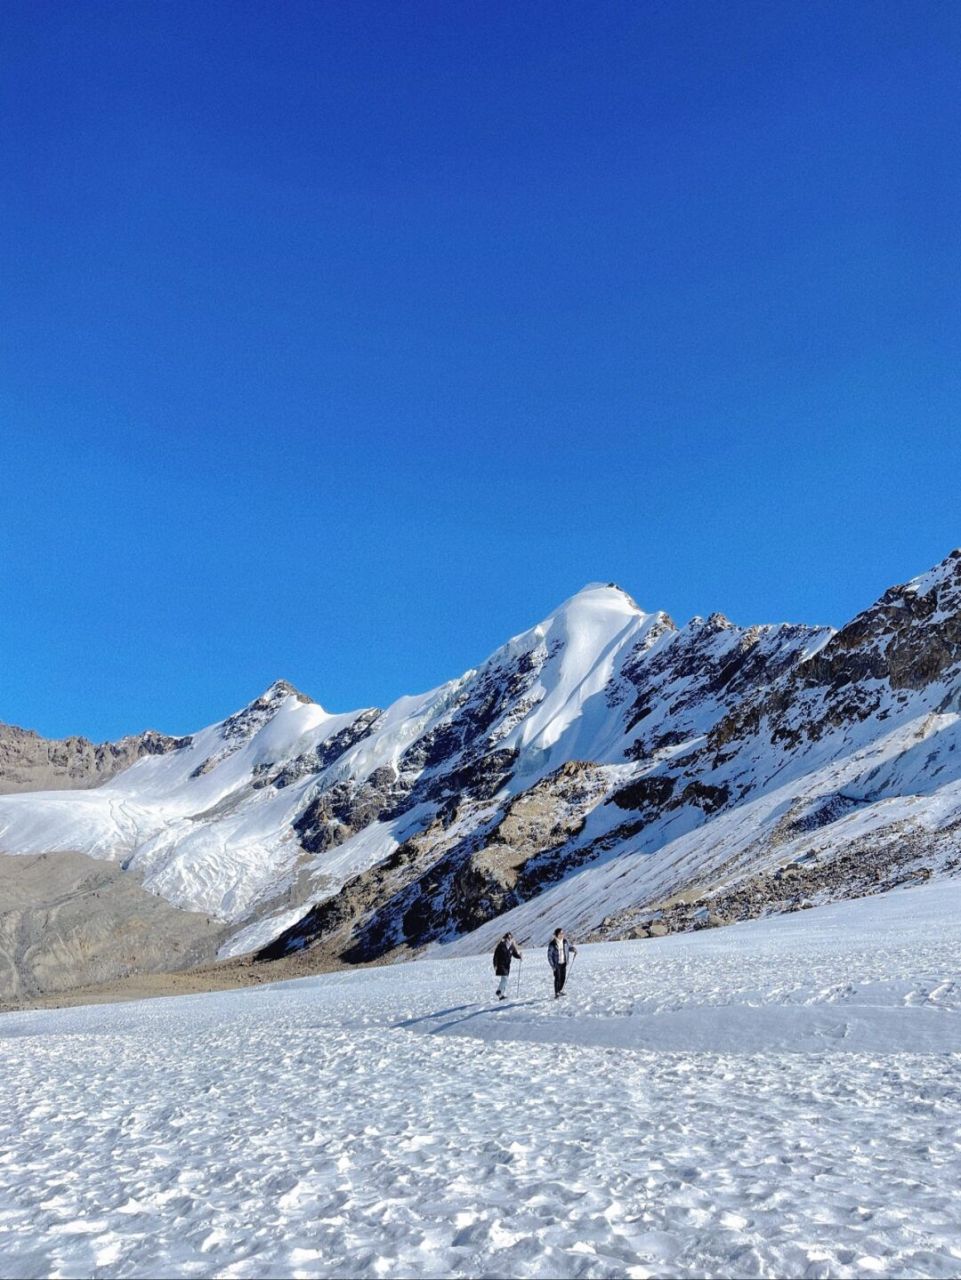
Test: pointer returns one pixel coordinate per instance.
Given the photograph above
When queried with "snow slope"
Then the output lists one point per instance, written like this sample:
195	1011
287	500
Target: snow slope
781	1098
741	840
190	820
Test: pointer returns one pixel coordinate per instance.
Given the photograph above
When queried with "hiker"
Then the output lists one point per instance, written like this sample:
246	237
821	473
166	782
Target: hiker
505	951
559	952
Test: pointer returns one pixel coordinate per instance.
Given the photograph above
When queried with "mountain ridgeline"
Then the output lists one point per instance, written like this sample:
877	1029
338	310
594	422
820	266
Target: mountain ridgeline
606	769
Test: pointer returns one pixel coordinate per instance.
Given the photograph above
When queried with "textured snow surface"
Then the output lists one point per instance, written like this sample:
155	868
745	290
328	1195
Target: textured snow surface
780	1098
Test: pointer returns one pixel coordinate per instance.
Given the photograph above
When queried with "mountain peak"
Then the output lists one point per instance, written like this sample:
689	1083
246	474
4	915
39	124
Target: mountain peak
606	587
245	723
600	596
946	570
279	690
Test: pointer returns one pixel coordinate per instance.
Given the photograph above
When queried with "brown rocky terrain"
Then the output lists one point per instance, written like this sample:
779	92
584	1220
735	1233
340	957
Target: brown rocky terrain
439	883
67	920
29	762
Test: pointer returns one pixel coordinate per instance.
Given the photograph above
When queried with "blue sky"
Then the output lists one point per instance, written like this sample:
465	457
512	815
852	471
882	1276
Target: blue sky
339	342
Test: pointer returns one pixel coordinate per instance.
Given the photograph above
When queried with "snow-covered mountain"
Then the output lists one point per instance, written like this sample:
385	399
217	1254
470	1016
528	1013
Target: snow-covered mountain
606	768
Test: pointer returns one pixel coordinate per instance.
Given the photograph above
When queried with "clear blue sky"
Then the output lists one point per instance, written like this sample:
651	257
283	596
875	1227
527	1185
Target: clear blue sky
340	341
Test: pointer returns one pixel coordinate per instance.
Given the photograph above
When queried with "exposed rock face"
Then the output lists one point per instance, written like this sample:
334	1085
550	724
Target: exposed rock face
910	638
321	757
457	758
237	730
489	871
31	763
345	808
703	670
438	885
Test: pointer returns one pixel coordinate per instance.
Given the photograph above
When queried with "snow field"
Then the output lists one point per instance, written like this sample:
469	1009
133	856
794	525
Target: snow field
396	1122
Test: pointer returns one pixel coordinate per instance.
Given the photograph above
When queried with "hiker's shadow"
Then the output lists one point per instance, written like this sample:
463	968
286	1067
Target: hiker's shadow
429	1017
459	1008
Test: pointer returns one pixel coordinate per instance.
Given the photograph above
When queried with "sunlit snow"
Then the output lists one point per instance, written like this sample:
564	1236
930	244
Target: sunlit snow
779	1098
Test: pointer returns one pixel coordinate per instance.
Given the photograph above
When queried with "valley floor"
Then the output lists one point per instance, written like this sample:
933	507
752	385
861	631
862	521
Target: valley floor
778	1098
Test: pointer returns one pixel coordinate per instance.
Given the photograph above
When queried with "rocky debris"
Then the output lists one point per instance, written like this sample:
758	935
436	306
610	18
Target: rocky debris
811	815
29	762
888	860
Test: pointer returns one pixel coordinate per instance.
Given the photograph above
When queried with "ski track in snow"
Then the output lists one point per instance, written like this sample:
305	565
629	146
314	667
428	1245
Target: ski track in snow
780	1098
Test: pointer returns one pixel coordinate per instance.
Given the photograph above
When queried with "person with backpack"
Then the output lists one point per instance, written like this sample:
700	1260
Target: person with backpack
559	952
505	951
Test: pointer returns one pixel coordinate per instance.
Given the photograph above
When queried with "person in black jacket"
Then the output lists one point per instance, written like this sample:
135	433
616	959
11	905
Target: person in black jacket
505	951
559	952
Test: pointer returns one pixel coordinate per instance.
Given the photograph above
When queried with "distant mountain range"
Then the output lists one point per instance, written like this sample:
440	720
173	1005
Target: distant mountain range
607	770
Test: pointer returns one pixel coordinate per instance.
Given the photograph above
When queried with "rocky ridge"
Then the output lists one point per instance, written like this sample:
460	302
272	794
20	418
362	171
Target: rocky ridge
29	762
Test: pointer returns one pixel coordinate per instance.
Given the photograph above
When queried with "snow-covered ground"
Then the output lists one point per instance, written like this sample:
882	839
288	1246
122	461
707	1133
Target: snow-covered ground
779	1098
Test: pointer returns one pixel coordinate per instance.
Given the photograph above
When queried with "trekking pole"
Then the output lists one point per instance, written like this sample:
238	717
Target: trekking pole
520	965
